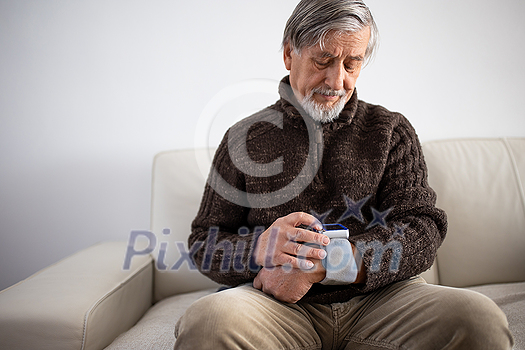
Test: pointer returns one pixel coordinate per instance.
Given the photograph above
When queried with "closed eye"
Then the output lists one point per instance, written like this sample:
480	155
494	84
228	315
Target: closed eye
322	64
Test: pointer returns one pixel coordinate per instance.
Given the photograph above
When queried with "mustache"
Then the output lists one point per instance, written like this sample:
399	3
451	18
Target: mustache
328	92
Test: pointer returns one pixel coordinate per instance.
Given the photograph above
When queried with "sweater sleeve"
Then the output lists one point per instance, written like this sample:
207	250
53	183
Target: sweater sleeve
406	246
224	244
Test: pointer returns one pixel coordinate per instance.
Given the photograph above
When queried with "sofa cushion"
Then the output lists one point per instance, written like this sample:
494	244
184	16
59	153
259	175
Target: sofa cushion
155	331
479	183
510	297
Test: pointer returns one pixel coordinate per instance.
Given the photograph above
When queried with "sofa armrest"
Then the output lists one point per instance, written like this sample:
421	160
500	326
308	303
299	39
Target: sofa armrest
82	302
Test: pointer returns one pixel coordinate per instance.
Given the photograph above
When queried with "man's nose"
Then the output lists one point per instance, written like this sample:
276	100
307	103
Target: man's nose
335	76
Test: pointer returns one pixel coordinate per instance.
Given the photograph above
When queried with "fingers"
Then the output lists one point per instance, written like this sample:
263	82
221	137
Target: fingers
289	262
281	250
307	236
301	218
301	235
285	244
303	250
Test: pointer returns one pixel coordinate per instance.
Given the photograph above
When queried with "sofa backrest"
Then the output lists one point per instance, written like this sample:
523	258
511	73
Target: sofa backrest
177	187
479	183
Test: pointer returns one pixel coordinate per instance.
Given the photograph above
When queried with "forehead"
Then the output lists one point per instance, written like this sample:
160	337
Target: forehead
336	44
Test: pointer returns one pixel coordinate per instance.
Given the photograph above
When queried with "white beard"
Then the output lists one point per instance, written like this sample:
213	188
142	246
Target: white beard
319	112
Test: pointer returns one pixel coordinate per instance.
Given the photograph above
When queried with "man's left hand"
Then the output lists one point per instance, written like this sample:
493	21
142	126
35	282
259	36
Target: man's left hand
288	284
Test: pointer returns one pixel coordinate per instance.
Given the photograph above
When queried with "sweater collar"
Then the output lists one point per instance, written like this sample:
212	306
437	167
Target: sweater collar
291	105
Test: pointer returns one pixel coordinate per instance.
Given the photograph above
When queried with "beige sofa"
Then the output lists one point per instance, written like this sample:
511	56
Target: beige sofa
92	300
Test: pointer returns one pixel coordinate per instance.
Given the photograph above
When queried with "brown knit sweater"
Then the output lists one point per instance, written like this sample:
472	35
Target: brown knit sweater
371	178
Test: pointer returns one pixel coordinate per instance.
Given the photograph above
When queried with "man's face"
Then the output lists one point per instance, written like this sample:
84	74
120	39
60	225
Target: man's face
325	76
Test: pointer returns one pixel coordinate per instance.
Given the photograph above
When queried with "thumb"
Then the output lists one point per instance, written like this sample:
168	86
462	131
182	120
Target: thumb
257	282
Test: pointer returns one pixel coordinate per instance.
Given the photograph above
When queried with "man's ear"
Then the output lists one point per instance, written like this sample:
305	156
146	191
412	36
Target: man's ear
287	55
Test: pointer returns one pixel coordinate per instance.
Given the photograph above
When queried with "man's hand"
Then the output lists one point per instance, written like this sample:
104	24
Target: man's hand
288	285
283	242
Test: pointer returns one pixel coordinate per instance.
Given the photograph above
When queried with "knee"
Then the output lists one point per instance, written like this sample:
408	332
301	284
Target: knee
473	321
208	313
211	320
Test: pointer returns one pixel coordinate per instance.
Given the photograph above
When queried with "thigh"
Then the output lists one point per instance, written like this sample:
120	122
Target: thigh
415	315
245	318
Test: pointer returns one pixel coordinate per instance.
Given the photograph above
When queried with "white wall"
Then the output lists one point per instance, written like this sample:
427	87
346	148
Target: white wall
90	91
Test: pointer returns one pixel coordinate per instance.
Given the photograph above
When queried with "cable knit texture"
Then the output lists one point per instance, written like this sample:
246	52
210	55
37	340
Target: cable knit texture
368	153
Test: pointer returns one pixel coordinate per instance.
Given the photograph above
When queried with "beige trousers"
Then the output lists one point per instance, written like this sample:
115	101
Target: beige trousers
405	315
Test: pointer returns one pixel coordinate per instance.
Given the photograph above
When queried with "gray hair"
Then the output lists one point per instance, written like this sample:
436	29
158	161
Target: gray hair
312	20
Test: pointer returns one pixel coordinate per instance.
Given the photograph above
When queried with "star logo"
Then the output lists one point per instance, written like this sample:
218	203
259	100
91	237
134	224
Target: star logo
399	230
379	218
321	217
353	209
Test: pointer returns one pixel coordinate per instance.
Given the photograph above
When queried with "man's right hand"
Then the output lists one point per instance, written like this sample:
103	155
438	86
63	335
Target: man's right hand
283	242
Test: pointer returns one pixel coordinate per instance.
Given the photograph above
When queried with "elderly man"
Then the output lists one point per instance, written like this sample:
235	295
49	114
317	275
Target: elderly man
320	156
